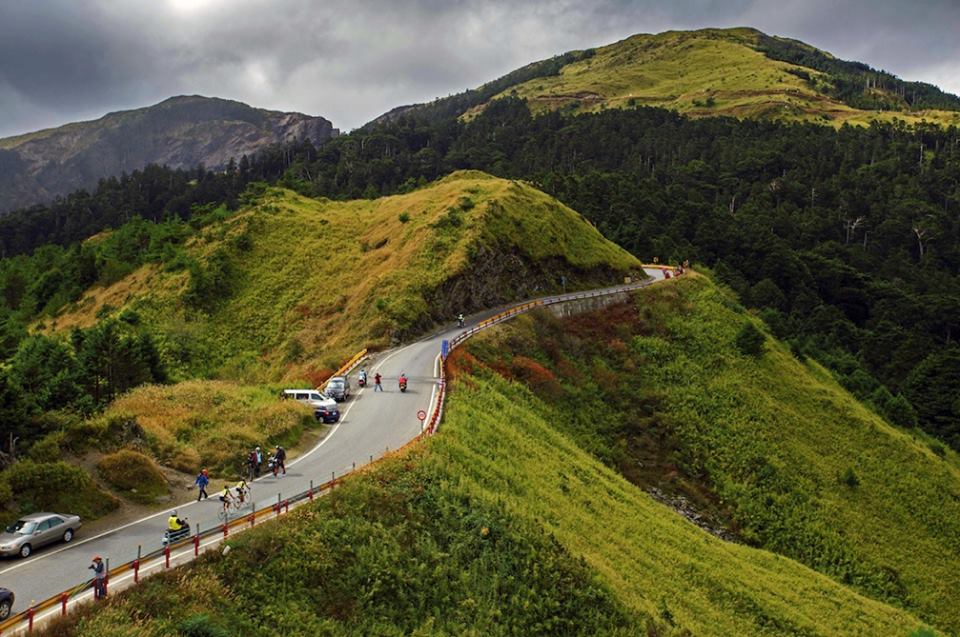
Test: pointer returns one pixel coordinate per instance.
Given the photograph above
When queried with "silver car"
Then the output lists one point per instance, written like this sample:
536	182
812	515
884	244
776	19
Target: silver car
36	530
338	388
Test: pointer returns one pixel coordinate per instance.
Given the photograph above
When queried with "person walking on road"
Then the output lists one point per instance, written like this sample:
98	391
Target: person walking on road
259	462
201	483
280	456
376	382
99	577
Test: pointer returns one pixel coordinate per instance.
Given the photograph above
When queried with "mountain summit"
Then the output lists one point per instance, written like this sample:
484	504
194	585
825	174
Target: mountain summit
737	72
180	132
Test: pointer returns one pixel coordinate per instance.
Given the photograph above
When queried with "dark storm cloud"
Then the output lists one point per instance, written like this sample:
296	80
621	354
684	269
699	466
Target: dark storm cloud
62	60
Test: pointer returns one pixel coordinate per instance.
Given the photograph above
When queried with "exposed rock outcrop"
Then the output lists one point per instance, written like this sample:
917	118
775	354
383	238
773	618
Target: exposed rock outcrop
180	132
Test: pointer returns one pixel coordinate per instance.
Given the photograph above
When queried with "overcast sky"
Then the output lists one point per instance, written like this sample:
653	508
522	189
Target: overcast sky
351	60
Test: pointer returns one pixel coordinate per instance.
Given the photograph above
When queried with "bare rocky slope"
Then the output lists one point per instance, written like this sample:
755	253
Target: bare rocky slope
180	132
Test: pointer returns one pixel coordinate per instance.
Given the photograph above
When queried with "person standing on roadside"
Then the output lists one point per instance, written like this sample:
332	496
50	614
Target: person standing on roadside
201	482
259	462
280	456
376	382
99	577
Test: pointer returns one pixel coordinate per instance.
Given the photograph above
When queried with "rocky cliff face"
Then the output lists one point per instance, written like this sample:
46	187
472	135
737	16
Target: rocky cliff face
180	132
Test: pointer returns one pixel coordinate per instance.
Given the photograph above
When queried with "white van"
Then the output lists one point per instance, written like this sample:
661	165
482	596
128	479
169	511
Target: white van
310	397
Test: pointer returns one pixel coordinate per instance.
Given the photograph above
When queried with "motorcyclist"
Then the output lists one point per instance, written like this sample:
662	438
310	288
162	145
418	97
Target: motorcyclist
363	376
174	523
403	380
460	319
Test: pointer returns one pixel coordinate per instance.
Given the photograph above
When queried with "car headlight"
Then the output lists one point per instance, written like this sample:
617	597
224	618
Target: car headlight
6	547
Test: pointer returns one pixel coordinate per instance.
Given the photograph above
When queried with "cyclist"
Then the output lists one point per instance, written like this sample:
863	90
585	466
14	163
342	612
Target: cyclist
242	490
226	497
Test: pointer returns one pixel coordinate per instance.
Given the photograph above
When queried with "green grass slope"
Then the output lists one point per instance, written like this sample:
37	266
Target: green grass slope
772	447
702	73
293	285
501	524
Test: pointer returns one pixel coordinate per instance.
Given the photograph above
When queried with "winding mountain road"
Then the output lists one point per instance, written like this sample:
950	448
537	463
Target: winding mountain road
371	424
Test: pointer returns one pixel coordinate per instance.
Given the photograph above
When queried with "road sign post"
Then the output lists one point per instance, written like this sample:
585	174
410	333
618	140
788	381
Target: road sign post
421	416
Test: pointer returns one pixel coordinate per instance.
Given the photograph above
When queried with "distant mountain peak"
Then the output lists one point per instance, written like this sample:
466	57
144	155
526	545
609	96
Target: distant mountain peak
181	131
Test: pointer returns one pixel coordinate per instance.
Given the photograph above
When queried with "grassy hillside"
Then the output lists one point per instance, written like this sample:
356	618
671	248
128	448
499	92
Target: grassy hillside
705	73
504	524
770	447
290	285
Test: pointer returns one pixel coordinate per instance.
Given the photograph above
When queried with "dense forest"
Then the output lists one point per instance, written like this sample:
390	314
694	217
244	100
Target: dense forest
855	83
846	241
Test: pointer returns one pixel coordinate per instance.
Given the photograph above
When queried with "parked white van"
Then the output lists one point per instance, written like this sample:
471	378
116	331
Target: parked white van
310	397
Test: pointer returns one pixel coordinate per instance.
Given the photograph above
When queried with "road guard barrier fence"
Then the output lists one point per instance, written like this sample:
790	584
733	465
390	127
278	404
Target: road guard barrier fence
188	548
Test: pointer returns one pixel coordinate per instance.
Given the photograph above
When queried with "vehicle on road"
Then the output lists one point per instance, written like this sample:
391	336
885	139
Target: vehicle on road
403	382
6	603
310	397
35	530
327	414
169	536
338	388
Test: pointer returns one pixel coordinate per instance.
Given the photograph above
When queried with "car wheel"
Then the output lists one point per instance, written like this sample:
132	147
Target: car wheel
68	535
5	609
26	550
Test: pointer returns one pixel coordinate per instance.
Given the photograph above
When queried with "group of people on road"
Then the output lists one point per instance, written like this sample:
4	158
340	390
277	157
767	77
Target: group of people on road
275	463
378	380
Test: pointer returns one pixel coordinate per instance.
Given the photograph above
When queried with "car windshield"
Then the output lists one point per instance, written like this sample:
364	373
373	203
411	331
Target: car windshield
22	527
335	384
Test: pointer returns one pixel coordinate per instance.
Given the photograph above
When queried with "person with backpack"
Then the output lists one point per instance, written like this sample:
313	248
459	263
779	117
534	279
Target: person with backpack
203	479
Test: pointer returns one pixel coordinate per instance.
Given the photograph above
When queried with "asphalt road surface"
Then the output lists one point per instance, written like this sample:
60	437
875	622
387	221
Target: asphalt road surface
371	423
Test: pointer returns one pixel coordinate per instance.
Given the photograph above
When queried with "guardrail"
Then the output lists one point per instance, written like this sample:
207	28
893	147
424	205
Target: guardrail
161	558
345	368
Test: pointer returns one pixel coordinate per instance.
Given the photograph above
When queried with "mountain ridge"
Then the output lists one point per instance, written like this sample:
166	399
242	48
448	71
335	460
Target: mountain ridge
740	72
181	132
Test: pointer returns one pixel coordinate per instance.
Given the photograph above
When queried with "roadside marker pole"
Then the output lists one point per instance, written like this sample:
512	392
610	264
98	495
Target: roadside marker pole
310	492
166	555
286	506
30	613
196	545
63	604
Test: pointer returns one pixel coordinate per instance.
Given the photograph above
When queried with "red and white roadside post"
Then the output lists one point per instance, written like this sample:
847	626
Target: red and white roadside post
422	417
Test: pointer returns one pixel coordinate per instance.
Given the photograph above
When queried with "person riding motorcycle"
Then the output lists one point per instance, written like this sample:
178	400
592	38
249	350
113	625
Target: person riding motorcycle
403	381
460	319
363	377
174	523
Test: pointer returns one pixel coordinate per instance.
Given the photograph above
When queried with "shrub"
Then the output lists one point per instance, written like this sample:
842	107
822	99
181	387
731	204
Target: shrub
404	217
849	477
750	340
201	626
134	474
57	486
47	449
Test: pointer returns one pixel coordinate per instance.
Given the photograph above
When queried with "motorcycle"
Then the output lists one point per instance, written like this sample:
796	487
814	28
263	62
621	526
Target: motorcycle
460	321
403	384
169	537
362	380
